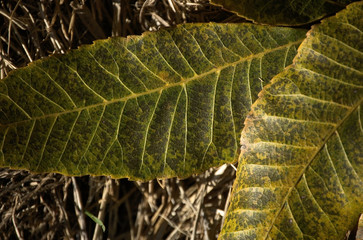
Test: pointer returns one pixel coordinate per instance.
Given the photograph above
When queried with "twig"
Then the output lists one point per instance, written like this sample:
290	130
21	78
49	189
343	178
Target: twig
79	210
64	212
226	207
198	212
23	44
116	21
171	223
14	220
129	215
53	38
16	21
87	19
10	24
32	29
101	214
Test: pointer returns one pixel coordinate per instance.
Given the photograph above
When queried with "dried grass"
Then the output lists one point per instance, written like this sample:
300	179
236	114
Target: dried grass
52	206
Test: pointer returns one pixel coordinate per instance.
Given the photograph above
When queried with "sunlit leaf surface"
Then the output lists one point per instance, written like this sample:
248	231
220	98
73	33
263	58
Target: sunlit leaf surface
301	168
164	104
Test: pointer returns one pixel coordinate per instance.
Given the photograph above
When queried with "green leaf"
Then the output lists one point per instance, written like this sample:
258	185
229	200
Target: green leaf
96	220
283	12
164	104
300	169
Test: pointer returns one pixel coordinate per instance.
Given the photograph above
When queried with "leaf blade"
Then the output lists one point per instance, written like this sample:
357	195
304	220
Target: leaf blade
160	105
282	13
300	168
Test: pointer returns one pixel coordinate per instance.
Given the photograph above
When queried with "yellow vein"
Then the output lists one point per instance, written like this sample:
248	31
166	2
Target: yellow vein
143	64
273	39
173	41
20	108
352	26
166	62
259	43
118	130
220	50
68	139
285	58
37	92
5	115
84	83
299	198
114	139
320	177
333	60
181	83
299	95
253	210
259	189
92	137
272	166
301	67
220	39
230	104
169	130
328	136
200	48
293	218
27	142
249	83
244	231
117	77
281	233
346	156
317	204
295	120
240	40
359	121
147	130
339	42
45	143
140	81
57	85
218	75
261	77
118	72
3	141
283	144
326	150
186	125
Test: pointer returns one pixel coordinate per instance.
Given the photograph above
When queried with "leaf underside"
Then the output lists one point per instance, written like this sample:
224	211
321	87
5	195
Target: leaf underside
301	168
283	12
164	104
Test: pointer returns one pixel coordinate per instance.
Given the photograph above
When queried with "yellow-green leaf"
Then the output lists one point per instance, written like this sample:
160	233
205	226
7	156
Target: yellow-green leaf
283	12
301	167
164	104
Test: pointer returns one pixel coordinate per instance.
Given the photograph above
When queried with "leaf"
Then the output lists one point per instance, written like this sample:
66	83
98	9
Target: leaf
283	12
96	220
164	104
300	169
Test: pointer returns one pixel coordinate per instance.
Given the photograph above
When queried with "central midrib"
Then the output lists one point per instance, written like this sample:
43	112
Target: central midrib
167	86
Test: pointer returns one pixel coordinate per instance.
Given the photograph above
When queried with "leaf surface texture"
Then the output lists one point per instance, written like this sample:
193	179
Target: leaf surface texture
283	12
301	167
164	104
